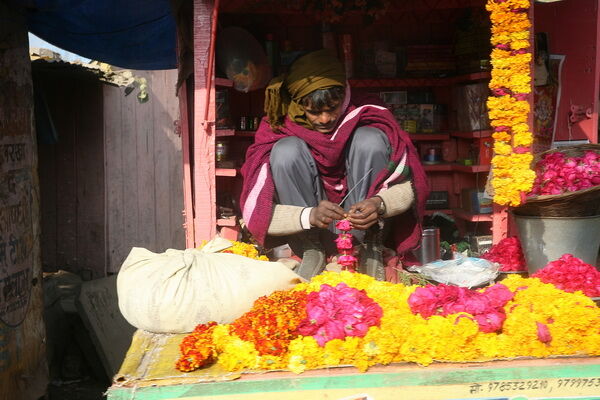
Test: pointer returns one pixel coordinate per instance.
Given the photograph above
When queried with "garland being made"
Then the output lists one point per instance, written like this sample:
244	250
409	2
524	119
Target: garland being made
508	105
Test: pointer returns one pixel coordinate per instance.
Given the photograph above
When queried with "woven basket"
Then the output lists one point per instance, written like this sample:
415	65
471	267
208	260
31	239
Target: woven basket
582	203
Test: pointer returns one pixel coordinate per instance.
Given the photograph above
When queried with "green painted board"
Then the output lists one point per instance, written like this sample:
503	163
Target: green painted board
516	380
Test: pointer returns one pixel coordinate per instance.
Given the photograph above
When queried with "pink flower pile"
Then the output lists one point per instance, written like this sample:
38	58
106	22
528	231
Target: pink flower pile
508	254
557	173
344	245
337	312
570	274
485	307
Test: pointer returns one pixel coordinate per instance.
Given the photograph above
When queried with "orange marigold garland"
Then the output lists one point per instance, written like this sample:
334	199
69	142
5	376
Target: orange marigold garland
509	106
270	325
272	322
197	349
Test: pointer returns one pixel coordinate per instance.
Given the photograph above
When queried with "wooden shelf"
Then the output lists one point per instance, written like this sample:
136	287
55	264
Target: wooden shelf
417	82
441	210
476	76
462	214
441	167
470	168
223	82
224	132
447	167
397	82
415	137
226	222
472	135
245	133
225	171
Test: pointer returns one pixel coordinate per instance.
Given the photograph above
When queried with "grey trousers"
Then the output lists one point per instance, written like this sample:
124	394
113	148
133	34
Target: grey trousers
296	176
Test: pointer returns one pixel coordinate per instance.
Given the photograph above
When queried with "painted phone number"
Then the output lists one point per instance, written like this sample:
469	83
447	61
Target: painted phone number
534	384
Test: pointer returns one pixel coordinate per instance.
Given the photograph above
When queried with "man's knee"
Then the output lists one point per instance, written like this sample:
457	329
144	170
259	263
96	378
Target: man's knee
287	152
370	140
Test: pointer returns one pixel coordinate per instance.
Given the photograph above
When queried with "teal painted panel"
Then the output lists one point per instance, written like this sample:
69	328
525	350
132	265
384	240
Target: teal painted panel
367	380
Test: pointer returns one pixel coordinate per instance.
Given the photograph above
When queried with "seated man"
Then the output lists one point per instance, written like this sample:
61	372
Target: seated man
306	167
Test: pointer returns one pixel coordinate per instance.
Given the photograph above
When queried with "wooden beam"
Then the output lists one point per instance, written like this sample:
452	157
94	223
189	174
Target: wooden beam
204	140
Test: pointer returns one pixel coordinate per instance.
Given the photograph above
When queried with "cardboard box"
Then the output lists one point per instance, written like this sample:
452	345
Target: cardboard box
430	118
475	202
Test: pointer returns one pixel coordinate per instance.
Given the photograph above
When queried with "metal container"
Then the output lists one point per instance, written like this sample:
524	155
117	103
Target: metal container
430	246
546	239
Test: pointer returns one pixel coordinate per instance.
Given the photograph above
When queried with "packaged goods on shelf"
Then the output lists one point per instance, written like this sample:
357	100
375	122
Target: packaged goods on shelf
475	201
471	106
224	120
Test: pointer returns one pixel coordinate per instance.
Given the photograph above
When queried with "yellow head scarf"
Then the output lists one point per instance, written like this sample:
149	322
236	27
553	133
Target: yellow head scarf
314	71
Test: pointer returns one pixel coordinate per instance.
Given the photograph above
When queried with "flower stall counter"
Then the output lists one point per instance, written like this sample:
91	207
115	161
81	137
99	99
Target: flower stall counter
346	335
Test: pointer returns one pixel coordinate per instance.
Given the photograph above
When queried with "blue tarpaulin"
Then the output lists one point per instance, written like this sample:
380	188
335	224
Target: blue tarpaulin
133	34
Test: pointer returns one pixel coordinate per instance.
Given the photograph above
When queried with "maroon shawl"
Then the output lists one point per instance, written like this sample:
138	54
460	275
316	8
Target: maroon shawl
328	151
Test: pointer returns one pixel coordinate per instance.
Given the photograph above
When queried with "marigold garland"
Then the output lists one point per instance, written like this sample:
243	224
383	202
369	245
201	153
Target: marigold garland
541	321
508	106
272	322
242	249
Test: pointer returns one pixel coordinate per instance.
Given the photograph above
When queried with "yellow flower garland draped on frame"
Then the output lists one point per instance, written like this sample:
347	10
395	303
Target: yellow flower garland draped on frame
508	105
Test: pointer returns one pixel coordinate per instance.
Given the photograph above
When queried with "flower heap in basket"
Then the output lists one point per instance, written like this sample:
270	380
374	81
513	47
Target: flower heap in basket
558	173
351	319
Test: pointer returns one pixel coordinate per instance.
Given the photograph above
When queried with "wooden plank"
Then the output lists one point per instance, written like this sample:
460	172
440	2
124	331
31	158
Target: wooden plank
471	168
429	136
204	140
186	154
540	379
48	194
145	167
223	82
98	307
175	211
66	201
472	135
89	158
462	214
224	132
129	159
167	160
23	370
114	175
225	172
162	171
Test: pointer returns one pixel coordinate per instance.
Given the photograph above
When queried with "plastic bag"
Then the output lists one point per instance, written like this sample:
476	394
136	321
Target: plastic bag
172	292
464	271
243	59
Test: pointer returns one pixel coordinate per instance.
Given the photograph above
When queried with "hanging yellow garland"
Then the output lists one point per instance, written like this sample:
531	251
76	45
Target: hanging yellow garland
509	106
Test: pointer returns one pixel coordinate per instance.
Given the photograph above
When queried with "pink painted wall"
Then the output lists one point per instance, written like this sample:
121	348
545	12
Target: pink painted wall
572	28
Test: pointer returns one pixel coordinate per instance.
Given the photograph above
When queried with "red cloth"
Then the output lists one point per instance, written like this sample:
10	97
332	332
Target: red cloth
258	189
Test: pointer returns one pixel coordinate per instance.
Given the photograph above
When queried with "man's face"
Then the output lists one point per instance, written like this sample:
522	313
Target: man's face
325	119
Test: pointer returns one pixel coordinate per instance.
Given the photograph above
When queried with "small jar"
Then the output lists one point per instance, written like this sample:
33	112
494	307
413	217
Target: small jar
221	150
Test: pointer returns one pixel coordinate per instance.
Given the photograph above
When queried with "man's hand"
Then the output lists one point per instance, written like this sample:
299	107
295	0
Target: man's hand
325	213
363	214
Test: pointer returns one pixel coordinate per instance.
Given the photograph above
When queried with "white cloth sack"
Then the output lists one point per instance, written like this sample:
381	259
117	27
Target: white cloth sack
174	291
